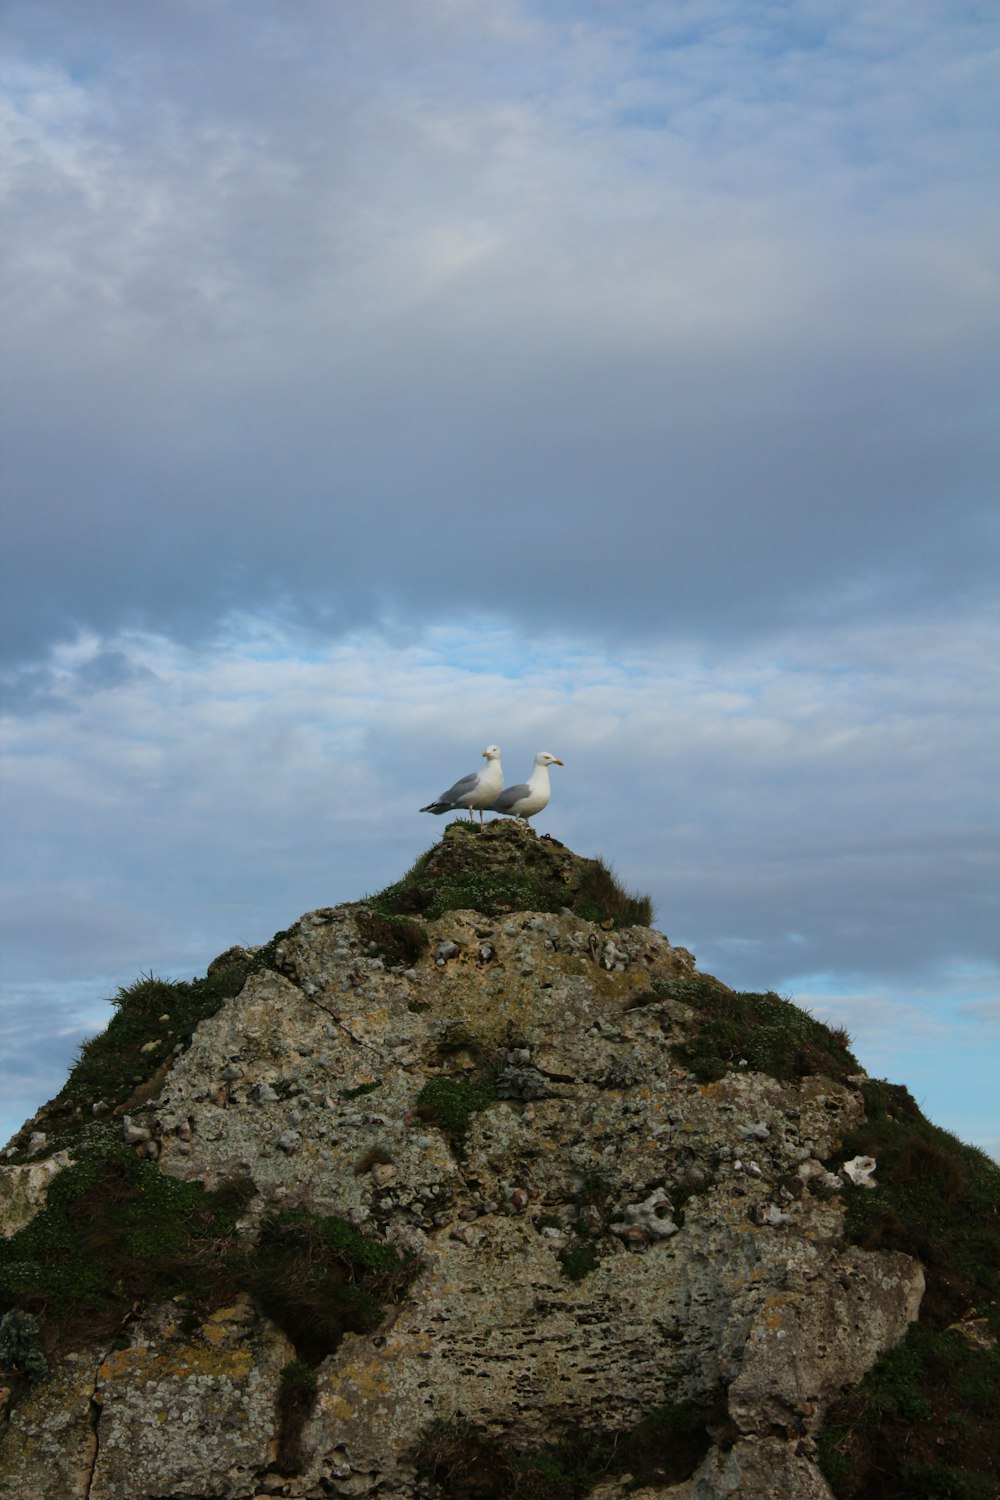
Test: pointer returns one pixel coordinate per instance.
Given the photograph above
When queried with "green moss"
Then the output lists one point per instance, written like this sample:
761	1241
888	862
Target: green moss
761	1032
477	891
450	1104
895	1385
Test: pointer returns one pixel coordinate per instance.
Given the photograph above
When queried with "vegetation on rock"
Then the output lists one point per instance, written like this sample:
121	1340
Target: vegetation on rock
581	1255
924	1424
501	868
398	940
759	1032
296	1399
318	1278
117	1233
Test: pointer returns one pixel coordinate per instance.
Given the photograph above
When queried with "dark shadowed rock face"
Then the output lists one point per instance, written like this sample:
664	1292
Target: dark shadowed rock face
489	1199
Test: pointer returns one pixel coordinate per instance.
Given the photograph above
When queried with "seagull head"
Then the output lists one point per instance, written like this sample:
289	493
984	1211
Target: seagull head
492	752
543	758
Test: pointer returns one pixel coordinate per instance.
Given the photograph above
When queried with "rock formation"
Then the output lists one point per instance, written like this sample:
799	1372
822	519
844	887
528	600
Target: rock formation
582	1222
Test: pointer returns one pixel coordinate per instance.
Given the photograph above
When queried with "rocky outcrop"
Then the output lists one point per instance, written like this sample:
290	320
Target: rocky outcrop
598	1233
23	1190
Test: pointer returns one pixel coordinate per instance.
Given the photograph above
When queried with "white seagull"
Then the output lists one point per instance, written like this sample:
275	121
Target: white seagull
529	797
478	789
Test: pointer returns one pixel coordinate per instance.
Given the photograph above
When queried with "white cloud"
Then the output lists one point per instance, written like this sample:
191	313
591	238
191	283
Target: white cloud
984	1013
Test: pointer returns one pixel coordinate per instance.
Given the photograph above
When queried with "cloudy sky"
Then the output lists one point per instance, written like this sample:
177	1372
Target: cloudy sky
618	378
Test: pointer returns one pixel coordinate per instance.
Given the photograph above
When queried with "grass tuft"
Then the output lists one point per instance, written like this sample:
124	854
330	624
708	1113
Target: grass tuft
602	898
761	1032
503	868
125	1064
399	940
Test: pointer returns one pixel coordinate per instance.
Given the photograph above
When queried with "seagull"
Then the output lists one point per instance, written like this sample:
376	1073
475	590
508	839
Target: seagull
478	789
528	797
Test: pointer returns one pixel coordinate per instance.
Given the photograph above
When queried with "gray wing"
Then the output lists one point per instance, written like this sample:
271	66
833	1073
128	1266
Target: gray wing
461	788
510	795
449	799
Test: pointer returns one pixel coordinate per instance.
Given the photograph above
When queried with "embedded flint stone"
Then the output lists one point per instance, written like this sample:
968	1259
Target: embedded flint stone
860	1170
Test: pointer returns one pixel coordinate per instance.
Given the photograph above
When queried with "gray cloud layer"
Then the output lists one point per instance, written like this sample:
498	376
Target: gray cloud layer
680	320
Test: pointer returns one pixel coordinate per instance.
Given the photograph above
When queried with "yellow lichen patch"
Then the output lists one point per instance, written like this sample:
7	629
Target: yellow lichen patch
773	1313
118	1363
136	1366
413	1345
226	1323
370	1380
338	1409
